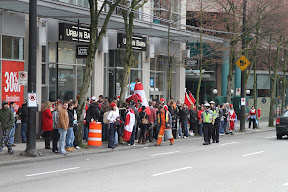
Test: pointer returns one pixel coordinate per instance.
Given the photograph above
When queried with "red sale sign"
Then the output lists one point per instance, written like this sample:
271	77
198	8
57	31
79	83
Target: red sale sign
11	90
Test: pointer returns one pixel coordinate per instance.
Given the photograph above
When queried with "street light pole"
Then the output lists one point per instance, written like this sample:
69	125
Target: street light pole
32	64
242	111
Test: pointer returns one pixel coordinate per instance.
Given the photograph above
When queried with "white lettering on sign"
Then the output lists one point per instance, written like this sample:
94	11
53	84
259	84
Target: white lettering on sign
71	33
86	35
12	83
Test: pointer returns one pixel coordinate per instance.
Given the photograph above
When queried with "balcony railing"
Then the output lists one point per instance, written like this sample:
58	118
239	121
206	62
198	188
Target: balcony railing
81	3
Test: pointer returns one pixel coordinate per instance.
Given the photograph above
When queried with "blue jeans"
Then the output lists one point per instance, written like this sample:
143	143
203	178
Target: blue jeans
184	126
23	132
222	126
85	132
201	128
70	137
116	138
62	138
12	134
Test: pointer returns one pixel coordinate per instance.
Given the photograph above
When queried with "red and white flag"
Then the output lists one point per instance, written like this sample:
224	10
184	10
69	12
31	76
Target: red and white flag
189	99
140	90
129	124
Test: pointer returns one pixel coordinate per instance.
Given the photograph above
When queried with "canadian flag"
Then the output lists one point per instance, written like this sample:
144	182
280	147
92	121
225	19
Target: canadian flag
129	124
140	90
189	99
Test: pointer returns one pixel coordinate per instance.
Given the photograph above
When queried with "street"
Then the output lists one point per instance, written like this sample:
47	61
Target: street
248	162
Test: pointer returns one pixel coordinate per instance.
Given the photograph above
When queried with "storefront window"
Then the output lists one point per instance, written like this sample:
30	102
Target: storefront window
66	82
52	82
52	52
134	75
13	47
159	86
67	53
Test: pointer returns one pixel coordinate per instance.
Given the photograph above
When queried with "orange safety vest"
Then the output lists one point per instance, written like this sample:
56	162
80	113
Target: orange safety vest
160	121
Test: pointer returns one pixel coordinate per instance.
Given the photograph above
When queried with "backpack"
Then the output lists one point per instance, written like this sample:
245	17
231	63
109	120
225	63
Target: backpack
105	115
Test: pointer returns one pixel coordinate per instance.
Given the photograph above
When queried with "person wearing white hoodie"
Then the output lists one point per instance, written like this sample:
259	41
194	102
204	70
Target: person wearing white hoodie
112	118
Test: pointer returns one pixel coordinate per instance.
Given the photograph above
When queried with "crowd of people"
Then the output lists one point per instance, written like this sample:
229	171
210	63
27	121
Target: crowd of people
165	121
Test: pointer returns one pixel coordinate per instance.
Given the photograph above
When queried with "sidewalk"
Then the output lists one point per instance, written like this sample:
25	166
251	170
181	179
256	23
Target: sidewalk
6	159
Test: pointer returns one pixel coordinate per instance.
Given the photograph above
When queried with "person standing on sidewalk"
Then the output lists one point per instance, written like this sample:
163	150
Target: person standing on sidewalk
232	118
200	124
252	117
55	118
63	125
70	134
47	123
23	114
7	120
208	120
132	138
184	116
193	120
172	108
216	127
164	120
12	132
143	124
112	116
151	119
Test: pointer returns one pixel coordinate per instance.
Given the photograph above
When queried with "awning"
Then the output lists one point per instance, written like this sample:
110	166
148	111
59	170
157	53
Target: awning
72	13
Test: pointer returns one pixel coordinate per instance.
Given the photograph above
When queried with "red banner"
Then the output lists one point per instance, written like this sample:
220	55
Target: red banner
11	90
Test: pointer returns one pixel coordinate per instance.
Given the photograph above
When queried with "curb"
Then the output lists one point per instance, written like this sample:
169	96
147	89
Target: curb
107	150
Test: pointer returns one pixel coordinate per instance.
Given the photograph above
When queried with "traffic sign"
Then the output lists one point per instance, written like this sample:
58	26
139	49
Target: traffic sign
22	78
32	100
243	101
243	63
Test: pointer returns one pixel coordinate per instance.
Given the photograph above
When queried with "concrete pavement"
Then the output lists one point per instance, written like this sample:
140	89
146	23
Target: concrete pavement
6	159
240	163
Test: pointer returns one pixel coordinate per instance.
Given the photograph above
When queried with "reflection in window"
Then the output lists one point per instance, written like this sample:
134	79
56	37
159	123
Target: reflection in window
13	47
66	82
52	82
67	52
52	52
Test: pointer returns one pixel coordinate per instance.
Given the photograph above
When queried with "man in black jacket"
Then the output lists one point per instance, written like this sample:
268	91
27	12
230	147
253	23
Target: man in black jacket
193	120
184	115
23	114
93	111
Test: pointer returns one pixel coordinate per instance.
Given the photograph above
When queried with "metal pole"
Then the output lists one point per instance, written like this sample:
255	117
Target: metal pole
32	62
243	92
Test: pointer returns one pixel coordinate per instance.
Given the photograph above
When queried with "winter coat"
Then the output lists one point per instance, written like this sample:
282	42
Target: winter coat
23	113
47	122
63	119
184	114
92	112
7	118
71	117
193	115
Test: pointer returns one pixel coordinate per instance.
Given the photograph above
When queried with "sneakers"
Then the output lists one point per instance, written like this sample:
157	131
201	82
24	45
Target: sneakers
77	147
11	152
185	137
171	143
70	149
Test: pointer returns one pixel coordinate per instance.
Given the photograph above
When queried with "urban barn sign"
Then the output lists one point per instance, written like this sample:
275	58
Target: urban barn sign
69	32
82	51
138	43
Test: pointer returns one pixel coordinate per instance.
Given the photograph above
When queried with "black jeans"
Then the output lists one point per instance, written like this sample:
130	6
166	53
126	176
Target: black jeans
47	136
75	129
207	130
215	130
150	132
111	136
254	123
55	139
143	128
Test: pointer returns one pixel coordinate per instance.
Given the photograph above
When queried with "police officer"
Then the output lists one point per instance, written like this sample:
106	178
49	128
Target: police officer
208	122
216	127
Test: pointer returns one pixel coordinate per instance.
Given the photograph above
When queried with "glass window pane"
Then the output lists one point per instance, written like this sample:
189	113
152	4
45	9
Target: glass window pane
6	47
43	53
52	52
43	74
152	64
81	61
111	58
13	47
66	82
134	75
67	53
52	82
159	86
119	58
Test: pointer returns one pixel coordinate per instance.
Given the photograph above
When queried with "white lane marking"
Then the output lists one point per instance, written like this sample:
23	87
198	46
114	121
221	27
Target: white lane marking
229	143
270	137
175	170
285	184
87	159
164	153
253	153
52	172
145	147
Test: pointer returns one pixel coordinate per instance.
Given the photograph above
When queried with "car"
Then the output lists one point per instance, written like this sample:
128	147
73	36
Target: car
282	125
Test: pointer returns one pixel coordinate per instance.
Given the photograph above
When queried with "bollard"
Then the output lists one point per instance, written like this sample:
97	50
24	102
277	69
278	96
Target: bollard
95	134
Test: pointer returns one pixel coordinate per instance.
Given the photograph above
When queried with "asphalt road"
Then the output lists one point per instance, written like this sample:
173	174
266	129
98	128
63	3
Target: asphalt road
251	162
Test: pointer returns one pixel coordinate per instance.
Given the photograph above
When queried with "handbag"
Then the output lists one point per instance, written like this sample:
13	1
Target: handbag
144	120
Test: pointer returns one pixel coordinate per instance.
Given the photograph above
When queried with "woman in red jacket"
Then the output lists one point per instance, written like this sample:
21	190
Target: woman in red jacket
47	123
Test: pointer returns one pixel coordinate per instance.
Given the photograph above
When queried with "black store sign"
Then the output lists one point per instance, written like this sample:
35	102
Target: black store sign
191	62
69	32
82	51
139	43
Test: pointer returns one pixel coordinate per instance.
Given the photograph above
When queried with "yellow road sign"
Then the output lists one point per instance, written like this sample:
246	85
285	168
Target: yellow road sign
243	63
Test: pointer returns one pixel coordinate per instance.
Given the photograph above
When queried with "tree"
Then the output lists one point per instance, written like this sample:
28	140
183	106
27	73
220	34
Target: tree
96	35
128	17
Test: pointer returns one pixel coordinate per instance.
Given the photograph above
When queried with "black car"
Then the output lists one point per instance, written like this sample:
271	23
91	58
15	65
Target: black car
282	125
